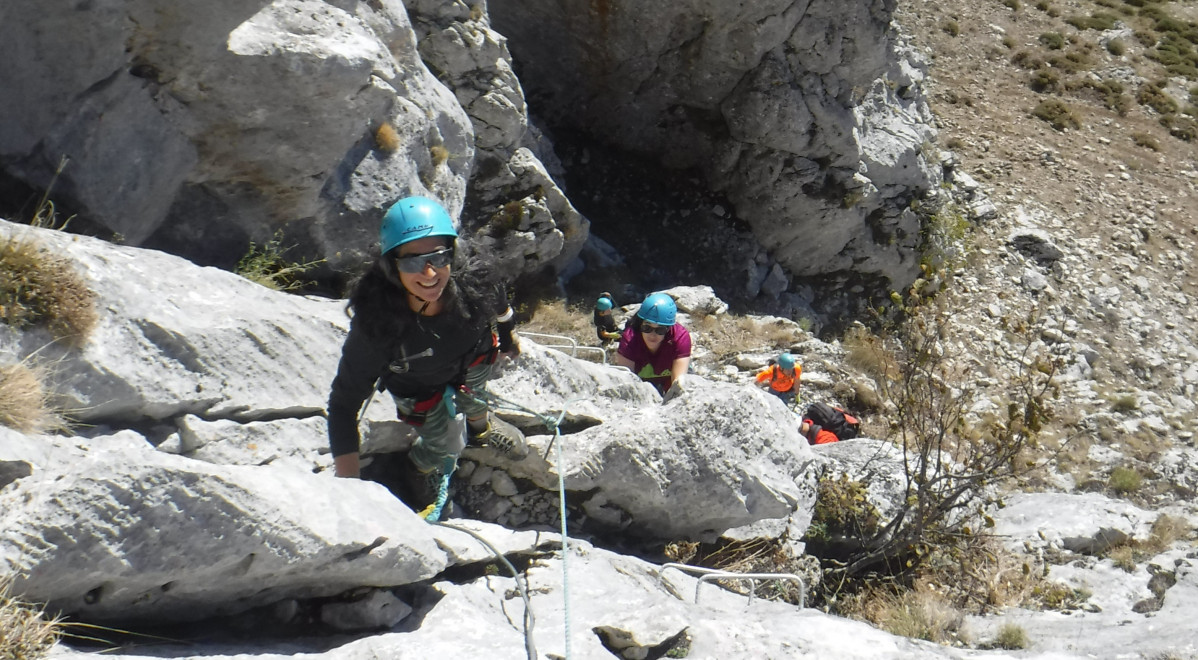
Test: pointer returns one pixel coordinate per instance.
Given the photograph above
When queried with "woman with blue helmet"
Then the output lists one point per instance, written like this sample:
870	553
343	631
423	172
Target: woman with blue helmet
427	328
654	345
604	319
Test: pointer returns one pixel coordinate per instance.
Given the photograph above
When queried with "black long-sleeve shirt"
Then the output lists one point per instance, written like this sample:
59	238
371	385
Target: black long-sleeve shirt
432	352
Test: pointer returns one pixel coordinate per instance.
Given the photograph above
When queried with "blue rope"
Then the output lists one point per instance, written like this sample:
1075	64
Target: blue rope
555	424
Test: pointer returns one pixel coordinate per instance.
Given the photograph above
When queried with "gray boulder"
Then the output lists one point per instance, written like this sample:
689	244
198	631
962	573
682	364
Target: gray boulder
174	338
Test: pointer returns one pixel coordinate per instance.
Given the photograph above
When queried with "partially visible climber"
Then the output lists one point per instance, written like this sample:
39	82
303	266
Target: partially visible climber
655	346
427	327
604	319
781	378
822	424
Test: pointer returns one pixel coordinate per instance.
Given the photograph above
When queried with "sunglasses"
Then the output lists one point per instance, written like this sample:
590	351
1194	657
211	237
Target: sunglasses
415	263
651	329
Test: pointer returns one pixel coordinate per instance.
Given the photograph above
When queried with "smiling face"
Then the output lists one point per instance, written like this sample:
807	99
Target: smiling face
428	284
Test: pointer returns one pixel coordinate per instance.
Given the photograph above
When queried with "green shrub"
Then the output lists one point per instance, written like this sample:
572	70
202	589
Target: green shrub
951	28
1027	60
1145	37
1011	637
1124	480
1145	140
1111	93
1116	47
266	265
1045	80
1042	5
1058	115
1182	128
1125	403
1154	96
1052	40
1011	4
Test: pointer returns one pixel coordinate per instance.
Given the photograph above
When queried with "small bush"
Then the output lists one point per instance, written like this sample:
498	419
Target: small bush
266	265
38	287
1125	403
1124	481
25	632
1116	47
917	614
1124	558
1058	115
1042	5
1146	38
951	28
1009	42
1052	40
1154	96
1011	637
1027	60
1145	140
386	138
1182	128
1011	4
1045	80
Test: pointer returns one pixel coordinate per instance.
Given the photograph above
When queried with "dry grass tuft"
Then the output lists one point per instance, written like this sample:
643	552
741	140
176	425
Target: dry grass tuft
39	287
25	632
386	138
25	403
919	613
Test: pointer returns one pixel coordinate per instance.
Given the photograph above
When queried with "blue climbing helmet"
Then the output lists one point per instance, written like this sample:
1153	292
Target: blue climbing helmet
413	218
603	304
658	308
786	361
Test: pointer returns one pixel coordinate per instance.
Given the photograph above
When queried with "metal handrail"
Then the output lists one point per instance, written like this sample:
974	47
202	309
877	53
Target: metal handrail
709	574
753	578
570	343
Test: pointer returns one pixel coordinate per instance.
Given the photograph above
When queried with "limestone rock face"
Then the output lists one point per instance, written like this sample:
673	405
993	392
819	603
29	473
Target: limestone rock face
175	338
808	114
200	128
131	533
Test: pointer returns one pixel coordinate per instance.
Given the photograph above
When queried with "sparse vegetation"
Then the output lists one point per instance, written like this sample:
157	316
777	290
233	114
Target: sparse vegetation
1057	113
266	265
917	613
38	287
386	138
439	154
25	631
25	403
1145	140
1124	480
951	28
1011	636
1052	40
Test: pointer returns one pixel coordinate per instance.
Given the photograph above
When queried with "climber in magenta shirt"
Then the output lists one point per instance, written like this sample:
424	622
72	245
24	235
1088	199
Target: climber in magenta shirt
654	346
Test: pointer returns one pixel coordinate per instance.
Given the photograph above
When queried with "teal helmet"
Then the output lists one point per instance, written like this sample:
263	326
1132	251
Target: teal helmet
658	308
413	218
786	361
603	304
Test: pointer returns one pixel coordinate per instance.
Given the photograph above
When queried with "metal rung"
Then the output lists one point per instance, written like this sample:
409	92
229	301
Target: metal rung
567	342
708	574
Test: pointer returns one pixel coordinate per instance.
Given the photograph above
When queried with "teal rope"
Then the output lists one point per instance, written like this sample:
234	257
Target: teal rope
449	465
555	424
